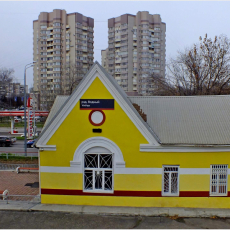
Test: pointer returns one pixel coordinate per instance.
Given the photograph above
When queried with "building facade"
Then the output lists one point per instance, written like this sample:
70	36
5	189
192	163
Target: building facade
104	61
136	50
96	149
63	47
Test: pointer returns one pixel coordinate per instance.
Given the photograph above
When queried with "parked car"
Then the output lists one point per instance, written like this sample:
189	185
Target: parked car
5	141
30	143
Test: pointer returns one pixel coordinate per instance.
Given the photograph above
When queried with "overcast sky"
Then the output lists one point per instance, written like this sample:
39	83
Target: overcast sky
185	22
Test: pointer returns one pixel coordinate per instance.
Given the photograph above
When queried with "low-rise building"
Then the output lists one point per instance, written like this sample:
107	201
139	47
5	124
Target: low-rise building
102	147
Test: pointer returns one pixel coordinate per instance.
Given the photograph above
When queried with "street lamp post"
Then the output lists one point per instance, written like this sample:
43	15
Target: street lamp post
25	139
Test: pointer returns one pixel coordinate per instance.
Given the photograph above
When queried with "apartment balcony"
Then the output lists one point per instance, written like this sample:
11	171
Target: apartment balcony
124	32
124	54
124	71
117	39
124	66
124	43
49	39
118	45
117	72
84	28
118	61
67	27
90	29
124	38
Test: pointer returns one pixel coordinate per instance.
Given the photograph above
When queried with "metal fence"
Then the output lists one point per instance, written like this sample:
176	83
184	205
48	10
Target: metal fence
19	181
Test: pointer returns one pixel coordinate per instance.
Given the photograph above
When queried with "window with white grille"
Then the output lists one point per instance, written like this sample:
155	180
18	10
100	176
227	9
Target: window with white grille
218	180
98	172
170	181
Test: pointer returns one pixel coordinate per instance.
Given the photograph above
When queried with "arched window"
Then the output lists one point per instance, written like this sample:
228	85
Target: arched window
98	158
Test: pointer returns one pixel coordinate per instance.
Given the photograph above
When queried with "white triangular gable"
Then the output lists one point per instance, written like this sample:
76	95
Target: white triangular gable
75	97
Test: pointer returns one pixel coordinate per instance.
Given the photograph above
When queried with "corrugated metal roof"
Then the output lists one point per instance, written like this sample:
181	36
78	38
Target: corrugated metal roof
192	120
59	101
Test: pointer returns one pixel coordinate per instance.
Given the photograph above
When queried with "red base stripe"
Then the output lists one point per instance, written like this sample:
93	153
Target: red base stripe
47	191
97	109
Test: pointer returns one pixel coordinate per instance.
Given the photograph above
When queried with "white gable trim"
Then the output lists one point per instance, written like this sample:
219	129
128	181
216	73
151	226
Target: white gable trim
98	142
95	72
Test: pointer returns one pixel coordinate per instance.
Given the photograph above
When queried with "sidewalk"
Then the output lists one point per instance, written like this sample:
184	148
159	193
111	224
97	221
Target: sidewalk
106	210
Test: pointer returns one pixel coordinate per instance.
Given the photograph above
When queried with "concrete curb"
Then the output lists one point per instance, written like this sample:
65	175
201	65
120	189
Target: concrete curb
107	210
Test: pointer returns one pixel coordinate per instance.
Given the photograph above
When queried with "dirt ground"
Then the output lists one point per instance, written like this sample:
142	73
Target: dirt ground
58	220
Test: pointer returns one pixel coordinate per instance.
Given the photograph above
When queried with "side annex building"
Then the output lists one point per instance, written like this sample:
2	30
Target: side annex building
96	149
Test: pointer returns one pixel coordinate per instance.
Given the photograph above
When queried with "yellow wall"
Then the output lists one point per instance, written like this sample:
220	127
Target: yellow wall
190	202
76	128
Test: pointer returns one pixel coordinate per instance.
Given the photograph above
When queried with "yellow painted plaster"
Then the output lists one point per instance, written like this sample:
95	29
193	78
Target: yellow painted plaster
189	202
194	182
76	128
137	182
61	180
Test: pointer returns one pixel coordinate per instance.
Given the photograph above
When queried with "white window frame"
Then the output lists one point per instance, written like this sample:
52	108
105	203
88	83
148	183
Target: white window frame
217	193
178	181
98	169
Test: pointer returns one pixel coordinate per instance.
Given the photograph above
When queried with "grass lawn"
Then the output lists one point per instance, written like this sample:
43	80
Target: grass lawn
19	124
17	159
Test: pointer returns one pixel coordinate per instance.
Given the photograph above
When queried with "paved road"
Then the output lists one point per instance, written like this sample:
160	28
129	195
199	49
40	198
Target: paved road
58	220
18	149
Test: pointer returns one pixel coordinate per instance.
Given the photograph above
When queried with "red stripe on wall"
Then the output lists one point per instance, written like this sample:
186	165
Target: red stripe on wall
47	191
96	109
115	193
194	194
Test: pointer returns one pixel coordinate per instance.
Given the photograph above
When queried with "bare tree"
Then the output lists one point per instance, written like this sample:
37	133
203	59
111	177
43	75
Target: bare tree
203	69
6	77
71	76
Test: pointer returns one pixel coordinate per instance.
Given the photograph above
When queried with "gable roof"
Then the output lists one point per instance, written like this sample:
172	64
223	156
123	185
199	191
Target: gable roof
188	120
58	103
116	91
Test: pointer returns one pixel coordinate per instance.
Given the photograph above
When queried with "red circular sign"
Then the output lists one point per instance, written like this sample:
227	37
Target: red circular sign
97	117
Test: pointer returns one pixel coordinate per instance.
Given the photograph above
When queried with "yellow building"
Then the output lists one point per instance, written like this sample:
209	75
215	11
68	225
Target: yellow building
96	149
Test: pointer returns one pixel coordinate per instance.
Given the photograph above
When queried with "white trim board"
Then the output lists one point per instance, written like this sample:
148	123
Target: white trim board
132	171
185	149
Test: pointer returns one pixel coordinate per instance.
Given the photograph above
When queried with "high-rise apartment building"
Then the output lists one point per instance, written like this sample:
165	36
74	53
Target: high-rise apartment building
104	61
61	43
136	50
